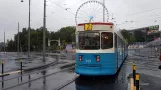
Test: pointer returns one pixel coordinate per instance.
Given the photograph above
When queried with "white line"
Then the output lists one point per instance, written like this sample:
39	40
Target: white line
11	72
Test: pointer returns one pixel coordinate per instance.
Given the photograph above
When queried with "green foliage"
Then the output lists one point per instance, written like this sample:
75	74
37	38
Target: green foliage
139	36
66	35
128	36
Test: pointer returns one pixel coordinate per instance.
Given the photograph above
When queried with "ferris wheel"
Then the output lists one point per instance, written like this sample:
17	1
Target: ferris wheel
91	11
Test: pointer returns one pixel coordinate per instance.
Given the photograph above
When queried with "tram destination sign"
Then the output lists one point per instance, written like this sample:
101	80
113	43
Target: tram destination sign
88	27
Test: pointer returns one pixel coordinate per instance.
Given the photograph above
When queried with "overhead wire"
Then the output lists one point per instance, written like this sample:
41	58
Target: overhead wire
61	7
144	11
127	15
75	3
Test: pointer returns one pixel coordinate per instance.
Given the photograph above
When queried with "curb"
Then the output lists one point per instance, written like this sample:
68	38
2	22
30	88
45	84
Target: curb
41	66
6	74
67	65
33	68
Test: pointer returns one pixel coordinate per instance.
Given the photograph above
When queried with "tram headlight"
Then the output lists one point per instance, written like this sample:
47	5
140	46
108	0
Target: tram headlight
80	58
97	58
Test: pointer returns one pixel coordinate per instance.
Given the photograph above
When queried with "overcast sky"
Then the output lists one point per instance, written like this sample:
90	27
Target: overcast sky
141	12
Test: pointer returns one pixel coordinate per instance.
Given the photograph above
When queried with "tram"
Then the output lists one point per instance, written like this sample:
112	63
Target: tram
100	49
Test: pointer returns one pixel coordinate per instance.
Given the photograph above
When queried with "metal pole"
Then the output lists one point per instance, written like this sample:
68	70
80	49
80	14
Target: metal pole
21	50
18	40
2	67
21	66
44	30
160	34
4	42
103	10
137	81
2	73
29	31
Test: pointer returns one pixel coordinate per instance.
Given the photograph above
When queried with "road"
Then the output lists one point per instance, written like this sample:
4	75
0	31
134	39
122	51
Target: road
62	76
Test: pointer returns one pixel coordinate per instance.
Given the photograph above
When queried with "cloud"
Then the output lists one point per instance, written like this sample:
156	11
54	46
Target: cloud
13	11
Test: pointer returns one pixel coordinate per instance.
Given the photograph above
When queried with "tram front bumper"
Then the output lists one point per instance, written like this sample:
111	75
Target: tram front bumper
95	70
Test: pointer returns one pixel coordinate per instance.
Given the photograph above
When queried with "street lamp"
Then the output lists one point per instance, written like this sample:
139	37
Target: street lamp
44	30
28	29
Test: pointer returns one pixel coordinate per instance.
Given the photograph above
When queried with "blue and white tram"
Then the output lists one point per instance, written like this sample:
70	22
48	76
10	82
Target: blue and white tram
101	49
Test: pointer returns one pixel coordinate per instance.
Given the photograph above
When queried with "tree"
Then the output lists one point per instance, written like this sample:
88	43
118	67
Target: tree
66	35
125	34
139	36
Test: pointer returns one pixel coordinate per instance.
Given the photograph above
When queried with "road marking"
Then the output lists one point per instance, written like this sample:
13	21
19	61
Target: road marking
15	72
11	72
131	84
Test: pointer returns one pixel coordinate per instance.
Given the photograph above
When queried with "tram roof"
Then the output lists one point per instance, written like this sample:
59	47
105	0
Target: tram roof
97	23
117	31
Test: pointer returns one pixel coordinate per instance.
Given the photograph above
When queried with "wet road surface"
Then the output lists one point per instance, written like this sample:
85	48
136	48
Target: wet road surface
64	78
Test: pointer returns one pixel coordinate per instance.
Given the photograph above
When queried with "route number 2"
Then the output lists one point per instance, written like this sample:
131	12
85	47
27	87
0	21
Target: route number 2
88	26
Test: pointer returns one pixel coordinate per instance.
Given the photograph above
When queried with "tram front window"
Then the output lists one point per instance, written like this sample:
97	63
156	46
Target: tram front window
89	40
106	40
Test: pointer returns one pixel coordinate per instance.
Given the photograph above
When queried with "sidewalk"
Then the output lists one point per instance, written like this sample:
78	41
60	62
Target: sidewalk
34	62
12	64
148	82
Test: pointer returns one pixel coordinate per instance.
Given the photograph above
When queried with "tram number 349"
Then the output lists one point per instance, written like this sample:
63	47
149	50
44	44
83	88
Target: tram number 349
88	61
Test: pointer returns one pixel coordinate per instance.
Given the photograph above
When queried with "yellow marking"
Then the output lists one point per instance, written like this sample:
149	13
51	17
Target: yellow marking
12	72
137	77
88	26
134	87
134	67
131	84
2	61
20	60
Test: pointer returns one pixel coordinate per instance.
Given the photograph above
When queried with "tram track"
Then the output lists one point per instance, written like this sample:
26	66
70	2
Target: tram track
28	73
98	85
37	78
66	84
37	71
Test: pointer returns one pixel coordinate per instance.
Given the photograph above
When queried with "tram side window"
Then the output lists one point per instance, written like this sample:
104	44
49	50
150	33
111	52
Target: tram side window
119	42
106	40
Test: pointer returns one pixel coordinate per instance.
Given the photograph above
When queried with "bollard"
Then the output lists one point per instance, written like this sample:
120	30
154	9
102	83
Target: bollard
21	66
2	67
137	81
21	69
134	74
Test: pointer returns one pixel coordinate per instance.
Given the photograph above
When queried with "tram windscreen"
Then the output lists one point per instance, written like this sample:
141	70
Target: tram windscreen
89	40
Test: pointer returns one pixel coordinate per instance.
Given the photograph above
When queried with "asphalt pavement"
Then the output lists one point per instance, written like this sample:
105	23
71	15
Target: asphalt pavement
147	64
62	77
